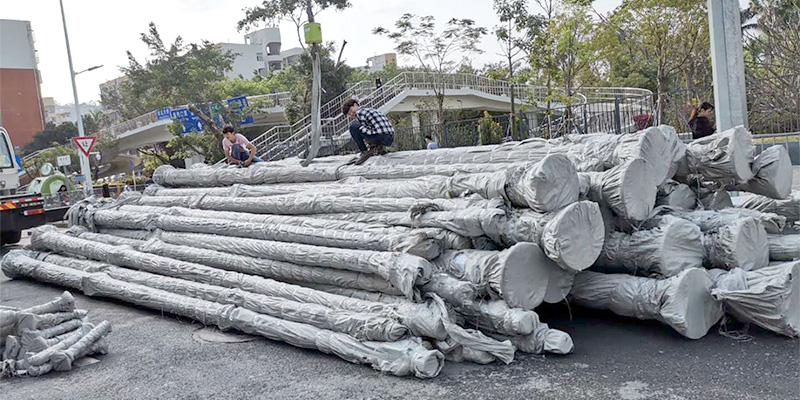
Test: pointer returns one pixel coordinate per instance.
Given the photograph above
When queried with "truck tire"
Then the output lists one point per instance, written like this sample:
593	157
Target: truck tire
10	237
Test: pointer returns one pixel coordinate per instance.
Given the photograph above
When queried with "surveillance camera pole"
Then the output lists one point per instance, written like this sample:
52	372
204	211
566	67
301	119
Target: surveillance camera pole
85	168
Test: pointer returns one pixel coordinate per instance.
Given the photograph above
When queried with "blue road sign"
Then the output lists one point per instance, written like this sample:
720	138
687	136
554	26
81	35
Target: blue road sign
237	105
163	113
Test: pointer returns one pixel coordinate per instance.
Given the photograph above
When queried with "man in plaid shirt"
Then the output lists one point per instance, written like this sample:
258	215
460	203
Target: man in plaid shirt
371	130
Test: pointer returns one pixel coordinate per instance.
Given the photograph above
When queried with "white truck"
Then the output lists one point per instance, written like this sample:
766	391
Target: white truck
22	211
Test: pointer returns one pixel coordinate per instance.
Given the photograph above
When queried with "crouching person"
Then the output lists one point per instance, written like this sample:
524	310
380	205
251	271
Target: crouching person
238	150
371	130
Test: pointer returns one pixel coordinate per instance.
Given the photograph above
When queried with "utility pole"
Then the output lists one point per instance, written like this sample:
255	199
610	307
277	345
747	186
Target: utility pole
727	64
85	168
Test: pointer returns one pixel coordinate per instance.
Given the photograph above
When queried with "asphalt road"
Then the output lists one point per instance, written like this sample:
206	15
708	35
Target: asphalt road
154	355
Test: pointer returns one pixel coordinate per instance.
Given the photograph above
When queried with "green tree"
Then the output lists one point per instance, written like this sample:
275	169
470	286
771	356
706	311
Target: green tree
515	35
437	52
49	155
572	33
663	34
772	68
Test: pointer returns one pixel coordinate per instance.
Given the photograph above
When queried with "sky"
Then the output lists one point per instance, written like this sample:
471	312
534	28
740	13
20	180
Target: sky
101	31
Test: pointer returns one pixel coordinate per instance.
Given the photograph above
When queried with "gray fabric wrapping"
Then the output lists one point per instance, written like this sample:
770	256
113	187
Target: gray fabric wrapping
360	326
43	321
65	302
401	274
671	247
723	157
419	319
572	237
279	270
683	301
784	247
406	357
456	292
498	316
732	237
519	275
714	199
301	204
650	144
17	265
628	188
542	340
561	234
167	175
789	208
771	299
772	171
402	270
62	360
677	195
421	243
451	240
546	185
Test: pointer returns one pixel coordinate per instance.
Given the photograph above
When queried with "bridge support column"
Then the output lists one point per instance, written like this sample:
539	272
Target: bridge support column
727	63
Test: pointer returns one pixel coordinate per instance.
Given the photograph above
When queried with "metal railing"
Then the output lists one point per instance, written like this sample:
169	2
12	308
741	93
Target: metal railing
773	104
278	100
285	141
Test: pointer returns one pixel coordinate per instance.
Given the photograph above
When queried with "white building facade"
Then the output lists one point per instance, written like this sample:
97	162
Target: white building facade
259	55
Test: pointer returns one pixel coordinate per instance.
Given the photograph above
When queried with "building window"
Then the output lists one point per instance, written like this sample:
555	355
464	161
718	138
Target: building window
259	56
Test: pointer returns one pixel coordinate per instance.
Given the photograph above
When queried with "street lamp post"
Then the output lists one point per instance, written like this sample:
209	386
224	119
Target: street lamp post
85	168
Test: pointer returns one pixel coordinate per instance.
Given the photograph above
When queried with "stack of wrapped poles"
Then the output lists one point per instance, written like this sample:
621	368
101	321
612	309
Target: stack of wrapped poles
419	257
47	337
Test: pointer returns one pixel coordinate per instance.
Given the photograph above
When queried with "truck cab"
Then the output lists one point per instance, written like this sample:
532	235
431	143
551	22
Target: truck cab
9	169
17	211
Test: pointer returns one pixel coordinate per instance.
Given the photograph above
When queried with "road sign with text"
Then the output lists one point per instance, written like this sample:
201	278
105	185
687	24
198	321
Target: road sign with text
85	143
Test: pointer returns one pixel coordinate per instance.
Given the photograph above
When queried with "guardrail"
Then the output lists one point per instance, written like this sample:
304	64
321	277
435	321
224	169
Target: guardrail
284	141
279	100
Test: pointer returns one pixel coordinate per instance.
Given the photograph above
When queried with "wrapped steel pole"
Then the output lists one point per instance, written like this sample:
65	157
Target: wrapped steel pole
677	195
301	204
671	247
283	271
770	300
789	208
731	238
628	188
62	360
723	157
784	247
401	274
519	275
772	170
571	236
361	326
451	240
168	176
419	319
683	301
543	186
402	270
608	150
403	357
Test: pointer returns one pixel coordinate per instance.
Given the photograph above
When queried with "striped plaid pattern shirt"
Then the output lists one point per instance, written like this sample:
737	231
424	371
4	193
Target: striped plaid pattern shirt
374	122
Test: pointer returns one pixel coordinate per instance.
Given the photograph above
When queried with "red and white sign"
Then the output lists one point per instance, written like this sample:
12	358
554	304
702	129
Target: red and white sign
85	143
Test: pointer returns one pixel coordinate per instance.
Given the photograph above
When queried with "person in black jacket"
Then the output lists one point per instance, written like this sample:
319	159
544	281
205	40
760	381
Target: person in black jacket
699	122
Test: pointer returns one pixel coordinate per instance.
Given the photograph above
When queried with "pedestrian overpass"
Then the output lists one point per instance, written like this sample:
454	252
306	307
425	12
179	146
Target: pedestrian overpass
408	92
